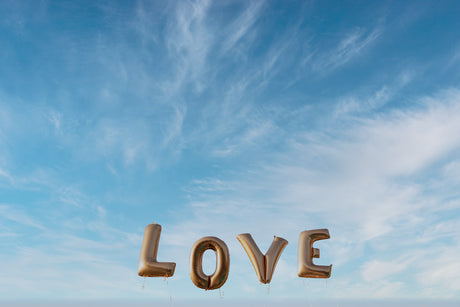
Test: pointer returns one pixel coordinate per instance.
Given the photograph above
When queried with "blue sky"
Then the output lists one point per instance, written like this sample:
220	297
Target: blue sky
226	117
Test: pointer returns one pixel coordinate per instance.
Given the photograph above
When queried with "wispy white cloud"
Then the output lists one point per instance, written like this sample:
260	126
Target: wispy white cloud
9	213
439	271
5	174
354	104
76	257
241	26
353	44
55	119
379	270
60	273
189	40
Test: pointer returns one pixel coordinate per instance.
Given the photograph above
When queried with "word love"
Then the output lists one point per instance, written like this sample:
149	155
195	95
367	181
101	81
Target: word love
264	265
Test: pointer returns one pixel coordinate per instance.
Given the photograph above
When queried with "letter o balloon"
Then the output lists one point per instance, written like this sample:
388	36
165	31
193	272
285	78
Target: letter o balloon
218	278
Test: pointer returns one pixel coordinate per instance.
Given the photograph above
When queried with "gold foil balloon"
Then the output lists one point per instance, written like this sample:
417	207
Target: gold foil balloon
263	264
218	278
148	265
306	253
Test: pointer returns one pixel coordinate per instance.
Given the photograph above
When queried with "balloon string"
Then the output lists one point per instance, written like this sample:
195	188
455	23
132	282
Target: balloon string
221	294
143	284
166	279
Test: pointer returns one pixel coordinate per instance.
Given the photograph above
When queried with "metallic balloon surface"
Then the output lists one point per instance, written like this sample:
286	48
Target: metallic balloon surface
264	265
306	253
148	264
218	278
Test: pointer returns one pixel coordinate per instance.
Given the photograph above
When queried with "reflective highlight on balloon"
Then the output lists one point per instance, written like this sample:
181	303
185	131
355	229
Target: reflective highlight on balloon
148	264
218	278
264	265
306	253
